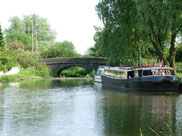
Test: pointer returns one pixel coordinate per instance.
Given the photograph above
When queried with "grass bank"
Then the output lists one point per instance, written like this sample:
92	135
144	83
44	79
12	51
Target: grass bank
27	74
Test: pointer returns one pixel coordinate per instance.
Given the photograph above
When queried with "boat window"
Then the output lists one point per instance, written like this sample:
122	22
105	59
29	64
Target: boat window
147	72
130	74
99	72
140	73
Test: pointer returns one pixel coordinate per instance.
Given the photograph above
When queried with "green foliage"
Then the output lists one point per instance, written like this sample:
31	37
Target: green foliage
119	37
17	26
41	26
2	45
91	74
130	25
15	46
60	49
26	60
74	72
8	59
77	72
28	74
20	31
18	37
96	51
179	53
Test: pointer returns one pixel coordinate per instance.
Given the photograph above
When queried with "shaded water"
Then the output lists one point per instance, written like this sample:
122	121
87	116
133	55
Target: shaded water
84	108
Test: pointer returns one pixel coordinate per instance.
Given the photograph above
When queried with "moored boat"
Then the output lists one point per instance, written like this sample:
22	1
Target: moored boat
97	77
141	78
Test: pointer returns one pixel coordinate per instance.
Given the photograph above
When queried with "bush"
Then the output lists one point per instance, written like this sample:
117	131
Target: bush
8	59
27	61
15	45
91	74
74	72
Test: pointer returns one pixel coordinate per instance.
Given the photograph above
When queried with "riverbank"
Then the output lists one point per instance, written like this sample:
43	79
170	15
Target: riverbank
67	78
27	74
30	74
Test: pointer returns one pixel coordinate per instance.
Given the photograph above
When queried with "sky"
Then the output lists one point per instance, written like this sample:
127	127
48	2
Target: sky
73	20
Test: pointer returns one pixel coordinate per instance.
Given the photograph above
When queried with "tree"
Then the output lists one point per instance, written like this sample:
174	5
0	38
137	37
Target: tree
60	49
20	30
161	23
96	50
120	36
17	25
129	25
2	45
40	25
19	37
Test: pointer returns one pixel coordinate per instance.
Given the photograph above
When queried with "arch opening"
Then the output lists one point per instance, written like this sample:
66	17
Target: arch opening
74	71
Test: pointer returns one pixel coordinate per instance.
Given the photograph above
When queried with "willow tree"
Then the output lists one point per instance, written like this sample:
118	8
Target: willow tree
161	23
119	34
129	23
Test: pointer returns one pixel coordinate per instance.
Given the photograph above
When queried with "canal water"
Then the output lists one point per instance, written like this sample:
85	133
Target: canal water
84	108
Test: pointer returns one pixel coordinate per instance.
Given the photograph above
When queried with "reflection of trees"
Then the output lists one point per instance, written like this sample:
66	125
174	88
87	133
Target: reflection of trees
74	83
36	84
33	105
127	113
46	84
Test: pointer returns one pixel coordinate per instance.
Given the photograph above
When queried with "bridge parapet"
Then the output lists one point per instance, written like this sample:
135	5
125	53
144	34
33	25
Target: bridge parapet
72	60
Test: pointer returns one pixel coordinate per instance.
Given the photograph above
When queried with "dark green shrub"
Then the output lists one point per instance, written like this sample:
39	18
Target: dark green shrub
26	60
8	59
74	72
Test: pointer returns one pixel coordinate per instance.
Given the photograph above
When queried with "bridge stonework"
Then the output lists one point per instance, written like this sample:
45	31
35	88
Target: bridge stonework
59	64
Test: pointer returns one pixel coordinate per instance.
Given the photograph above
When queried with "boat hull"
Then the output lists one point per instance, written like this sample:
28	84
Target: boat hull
141	84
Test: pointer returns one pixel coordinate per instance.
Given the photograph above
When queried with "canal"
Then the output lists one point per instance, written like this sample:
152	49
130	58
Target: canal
84	108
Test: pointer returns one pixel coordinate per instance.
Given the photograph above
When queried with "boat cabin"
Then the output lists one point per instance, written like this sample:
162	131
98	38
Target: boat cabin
154	71
119	72
130	72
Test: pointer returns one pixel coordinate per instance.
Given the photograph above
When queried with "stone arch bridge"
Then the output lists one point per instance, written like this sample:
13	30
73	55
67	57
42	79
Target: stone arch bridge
59	64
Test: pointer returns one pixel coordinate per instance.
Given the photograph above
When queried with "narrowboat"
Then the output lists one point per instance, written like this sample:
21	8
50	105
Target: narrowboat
140	78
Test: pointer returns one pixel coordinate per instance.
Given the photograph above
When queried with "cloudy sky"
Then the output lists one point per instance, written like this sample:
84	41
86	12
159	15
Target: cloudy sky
73	20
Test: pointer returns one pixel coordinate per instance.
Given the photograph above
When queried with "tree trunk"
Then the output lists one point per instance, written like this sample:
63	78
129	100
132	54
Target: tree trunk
159	50
139	56
172	52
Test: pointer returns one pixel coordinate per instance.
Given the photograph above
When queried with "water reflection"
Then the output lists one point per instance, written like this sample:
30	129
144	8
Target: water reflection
128	112
80	107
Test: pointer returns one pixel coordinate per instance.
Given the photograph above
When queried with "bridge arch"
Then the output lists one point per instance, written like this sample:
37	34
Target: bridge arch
61	68
58	64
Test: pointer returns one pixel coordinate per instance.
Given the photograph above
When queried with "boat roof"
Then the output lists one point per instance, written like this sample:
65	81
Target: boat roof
154	68
120	68
138	68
